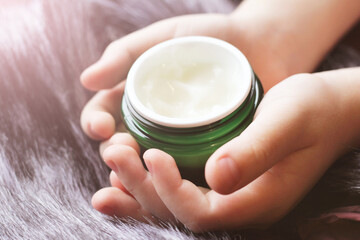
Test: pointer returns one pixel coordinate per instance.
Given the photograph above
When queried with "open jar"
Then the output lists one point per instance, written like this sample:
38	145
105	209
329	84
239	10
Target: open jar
188	96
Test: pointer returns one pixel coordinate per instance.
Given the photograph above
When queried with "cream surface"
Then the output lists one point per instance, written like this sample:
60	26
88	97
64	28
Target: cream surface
185	90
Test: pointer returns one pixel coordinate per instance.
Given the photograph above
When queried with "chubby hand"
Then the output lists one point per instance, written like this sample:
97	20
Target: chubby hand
100	115
299	129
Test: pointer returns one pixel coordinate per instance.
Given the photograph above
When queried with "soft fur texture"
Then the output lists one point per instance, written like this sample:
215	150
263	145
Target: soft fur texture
48	168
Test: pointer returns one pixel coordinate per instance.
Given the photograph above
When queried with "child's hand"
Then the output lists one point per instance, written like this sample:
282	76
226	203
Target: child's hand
99	117
275	50
300	128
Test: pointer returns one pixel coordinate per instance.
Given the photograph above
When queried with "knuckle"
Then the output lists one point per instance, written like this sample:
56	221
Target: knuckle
259	150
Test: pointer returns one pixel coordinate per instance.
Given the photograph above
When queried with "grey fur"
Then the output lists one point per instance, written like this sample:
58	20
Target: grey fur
48	168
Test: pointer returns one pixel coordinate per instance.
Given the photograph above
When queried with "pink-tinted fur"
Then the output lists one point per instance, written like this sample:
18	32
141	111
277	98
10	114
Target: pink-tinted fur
48	168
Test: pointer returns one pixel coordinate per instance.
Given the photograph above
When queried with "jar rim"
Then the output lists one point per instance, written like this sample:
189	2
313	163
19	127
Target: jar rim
246	77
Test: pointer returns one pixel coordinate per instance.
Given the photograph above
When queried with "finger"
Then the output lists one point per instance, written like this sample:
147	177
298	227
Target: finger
273	135
115	182
102	113
125	162
187	202
113	201
268	198
120	138
115	63
120	55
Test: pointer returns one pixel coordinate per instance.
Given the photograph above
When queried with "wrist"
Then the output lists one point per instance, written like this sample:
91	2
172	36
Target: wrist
294	36
267	47
345	85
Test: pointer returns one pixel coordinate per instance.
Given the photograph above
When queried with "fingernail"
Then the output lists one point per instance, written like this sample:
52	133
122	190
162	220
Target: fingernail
92	132
107	210
112	165
228	171
149	167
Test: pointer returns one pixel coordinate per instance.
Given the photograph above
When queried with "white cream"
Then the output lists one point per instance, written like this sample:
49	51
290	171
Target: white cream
189	81
188	90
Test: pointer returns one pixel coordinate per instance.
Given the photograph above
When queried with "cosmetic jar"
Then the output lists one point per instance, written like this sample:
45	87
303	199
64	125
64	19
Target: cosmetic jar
188	96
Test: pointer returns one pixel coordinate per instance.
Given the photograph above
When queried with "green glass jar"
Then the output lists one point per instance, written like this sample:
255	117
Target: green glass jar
188	96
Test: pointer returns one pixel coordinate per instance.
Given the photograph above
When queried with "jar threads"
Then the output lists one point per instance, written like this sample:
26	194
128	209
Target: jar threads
191	147
227	90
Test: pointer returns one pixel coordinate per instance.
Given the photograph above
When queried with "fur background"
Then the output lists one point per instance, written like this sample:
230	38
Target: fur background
49	169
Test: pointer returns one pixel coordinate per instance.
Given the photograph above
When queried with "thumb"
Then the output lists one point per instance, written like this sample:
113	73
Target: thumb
276	132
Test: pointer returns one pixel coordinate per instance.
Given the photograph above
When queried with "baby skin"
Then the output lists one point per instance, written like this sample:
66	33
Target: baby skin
301	126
